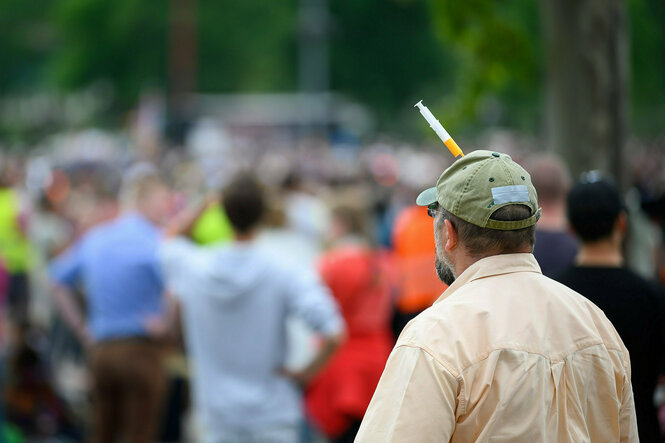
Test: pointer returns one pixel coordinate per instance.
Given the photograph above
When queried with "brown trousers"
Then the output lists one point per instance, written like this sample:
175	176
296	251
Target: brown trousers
128	390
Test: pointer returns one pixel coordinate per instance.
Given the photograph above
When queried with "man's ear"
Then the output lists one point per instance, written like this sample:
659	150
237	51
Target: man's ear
451	237
622	224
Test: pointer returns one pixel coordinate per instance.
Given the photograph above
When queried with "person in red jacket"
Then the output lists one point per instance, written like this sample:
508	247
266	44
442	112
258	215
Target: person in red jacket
359	278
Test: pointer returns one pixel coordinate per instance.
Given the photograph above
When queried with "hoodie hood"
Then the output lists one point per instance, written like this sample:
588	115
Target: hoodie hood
230	272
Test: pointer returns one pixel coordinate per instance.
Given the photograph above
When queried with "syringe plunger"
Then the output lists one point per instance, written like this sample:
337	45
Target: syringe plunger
439	129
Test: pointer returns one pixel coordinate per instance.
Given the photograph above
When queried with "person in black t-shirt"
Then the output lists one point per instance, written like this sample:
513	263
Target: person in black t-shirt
633	304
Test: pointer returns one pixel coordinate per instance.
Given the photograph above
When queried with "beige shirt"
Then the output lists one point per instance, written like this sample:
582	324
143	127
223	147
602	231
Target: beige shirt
505	355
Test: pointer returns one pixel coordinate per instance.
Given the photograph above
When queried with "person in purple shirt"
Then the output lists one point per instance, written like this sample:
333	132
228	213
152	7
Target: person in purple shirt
555	247
115	266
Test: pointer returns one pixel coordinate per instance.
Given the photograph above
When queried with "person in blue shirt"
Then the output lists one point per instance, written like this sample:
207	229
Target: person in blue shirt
115	266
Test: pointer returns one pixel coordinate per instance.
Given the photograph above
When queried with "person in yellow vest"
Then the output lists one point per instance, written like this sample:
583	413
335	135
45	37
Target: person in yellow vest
213	227
14	252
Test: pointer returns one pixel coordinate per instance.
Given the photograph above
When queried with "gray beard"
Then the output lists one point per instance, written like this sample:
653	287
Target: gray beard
443	268
444	271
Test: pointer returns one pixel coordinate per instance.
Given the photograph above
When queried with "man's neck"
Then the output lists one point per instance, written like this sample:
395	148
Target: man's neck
604	253
244	237
466	260
143	215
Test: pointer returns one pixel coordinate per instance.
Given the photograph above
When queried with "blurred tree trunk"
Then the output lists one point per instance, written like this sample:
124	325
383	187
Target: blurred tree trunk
587	73
183	58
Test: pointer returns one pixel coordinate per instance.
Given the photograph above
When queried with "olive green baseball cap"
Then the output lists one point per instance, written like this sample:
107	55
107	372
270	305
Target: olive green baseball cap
476	185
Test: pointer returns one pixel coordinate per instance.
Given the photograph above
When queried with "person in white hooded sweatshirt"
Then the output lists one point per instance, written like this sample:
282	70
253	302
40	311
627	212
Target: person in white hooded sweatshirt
235	300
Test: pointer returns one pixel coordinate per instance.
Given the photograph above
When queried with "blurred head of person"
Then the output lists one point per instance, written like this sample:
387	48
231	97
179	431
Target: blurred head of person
9	172
552	180
292	182
484	204
144	191
244	202
349	222
596	211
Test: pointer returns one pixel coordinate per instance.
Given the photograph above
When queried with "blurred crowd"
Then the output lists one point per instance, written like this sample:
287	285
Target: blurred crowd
235	286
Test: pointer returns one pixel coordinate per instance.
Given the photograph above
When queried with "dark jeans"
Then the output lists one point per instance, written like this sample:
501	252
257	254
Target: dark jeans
129	385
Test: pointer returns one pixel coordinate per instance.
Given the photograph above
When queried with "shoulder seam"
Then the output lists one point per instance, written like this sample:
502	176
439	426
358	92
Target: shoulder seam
446	366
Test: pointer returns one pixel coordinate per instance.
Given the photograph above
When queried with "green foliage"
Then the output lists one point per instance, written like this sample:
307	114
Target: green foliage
498	45
498	49
247	45
25	40
384	53
475	62
647	50
122	41
243	45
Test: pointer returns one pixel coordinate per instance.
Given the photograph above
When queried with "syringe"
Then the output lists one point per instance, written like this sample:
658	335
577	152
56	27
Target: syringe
440	131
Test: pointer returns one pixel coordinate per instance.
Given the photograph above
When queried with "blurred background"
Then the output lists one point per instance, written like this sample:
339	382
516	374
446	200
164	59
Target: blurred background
314	96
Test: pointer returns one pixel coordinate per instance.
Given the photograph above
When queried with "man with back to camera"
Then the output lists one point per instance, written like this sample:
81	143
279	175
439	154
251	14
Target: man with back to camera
555	247
505	354
117	267
235	300
634	305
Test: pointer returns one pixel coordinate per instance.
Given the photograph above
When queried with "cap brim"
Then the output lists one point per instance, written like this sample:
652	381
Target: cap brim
427	197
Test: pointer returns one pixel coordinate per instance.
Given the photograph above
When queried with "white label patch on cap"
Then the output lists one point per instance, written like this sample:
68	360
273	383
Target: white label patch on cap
510	194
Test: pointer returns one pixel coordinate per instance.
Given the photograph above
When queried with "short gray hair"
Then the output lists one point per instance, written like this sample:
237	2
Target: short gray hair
481	242
139	178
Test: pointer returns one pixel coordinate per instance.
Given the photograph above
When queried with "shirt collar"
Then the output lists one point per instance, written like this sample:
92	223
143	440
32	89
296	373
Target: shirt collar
491	266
